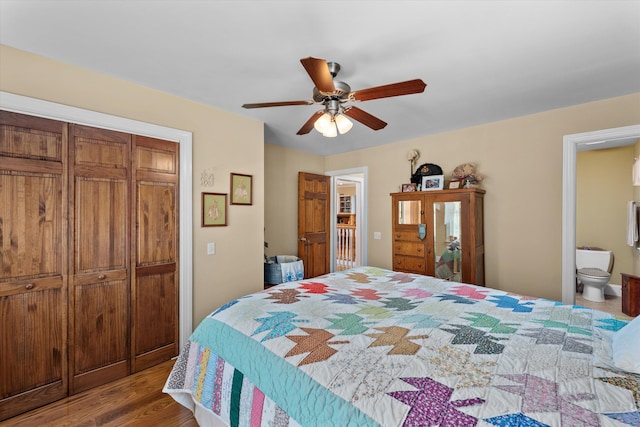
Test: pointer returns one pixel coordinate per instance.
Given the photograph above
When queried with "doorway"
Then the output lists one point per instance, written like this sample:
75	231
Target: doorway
606	138
349	219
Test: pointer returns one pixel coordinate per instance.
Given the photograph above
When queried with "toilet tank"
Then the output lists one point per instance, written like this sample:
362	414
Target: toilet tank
586	258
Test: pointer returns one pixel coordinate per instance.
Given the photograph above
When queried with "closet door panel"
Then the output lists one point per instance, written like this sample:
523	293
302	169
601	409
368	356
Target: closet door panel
157	287
101	233
155	283
101	323
156	222
100	295
33	263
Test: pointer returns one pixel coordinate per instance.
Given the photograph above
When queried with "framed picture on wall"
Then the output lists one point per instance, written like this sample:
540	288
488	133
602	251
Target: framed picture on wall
214	209
432	182
241	189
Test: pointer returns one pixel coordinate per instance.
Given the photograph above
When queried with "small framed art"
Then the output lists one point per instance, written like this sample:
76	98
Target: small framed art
455	184
214	209
408	187
432	182
241	189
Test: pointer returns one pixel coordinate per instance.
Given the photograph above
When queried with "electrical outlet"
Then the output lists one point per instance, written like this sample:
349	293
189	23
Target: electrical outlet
377	235
211	248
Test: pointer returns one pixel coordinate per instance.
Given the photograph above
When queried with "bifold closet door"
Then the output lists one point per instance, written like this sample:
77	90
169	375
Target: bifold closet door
33	262
155	260
99	297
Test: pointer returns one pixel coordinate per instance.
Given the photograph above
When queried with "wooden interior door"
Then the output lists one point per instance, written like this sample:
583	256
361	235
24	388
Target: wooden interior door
313	223
33	262
99	266
155	334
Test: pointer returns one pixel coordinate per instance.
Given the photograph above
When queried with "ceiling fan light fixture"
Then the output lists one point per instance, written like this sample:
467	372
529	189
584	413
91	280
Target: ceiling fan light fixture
343	124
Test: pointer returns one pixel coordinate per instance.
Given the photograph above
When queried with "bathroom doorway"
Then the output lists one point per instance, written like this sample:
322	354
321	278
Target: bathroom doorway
349	219
603	190
606	138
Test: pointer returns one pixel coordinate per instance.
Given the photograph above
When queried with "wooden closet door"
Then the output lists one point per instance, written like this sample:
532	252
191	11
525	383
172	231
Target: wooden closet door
99	266
33	262
155	261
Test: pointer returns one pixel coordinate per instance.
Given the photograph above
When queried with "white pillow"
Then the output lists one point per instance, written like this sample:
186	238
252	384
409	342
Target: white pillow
626	347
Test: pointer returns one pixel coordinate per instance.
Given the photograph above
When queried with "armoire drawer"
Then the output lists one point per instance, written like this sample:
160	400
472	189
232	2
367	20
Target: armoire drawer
408	236
410	264
409	248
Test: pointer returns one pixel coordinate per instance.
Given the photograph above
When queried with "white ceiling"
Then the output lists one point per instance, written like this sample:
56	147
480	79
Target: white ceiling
482	61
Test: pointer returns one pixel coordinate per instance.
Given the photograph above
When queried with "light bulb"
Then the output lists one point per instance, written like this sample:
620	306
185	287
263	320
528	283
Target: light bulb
343	124
323	123
331	131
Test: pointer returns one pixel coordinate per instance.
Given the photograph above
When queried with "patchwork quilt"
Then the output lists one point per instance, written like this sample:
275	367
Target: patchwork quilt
368	347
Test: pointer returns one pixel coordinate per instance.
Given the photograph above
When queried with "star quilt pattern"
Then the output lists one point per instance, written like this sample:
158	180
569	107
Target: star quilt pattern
369	346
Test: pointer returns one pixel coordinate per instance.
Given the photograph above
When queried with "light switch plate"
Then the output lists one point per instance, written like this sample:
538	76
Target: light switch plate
211	248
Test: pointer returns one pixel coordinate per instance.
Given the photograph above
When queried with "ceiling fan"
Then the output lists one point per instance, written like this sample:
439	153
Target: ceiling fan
335	96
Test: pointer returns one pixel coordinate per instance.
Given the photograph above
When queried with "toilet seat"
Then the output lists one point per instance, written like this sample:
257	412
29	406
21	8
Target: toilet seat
593	272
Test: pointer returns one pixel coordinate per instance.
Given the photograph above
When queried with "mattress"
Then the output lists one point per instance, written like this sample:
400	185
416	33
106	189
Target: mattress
368	347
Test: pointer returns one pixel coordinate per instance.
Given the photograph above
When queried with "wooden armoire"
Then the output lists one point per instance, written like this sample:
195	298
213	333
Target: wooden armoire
439	233
88	257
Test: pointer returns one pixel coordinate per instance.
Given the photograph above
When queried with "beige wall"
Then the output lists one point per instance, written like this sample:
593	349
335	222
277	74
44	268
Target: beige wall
281	206
522	161
603	189
222	141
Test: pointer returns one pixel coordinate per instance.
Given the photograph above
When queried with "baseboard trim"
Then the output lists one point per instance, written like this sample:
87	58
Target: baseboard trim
615	290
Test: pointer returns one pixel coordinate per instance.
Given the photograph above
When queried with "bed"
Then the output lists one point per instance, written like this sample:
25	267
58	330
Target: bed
368	346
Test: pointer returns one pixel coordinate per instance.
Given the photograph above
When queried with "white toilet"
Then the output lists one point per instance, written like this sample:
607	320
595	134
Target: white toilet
594	272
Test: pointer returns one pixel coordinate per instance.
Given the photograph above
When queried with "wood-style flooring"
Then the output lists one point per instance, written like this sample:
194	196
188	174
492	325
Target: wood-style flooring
611	304
136	400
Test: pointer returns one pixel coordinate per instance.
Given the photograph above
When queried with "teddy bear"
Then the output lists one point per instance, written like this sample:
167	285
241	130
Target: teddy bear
466	172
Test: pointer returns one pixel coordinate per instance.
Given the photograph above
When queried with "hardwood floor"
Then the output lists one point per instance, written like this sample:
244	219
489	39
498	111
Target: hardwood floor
136	400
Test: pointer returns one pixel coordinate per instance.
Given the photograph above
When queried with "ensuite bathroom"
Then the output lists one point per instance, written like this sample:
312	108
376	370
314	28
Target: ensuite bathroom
607	205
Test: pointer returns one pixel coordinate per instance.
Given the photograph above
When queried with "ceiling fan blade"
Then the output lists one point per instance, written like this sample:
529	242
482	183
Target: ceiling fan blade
306	128
394	89
276	104
318	70
365	118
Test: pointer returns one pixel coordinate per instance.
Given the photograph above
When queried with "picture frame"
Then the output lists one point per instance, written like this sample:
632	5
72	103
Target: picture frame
409	187
214	209
455	184
432	182
241	189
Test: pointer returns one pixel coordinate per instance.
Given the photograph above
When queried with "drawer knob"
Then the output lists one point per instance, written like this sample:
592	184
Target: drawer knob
29	286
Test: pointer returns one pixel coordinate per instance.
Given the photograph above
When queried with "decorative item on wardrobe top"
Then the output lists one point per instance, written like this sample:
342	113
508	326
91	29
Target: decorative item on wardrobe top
467	176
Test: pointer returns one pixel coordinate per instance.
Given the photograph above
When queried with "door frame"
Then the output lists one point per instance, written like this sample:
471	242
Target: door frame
361	211
51	110
605	138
